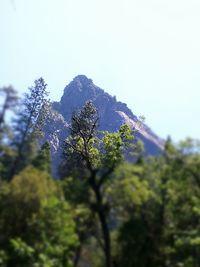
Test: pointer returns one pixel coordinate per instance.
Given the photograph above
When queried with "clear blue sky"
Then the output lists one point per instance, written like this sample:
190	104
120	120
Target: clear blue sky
145	52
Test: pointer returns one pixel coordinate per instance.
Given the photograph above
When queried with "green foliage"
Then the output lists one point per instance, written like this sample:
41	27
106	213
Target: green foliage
127	190
43	160
40	229
23	196
55	231
104	211
6	160
115	145
164	230
21	252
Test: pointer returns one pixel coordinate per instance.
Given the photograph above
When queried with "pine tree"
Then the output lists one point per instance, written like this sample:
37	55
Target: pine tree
28	125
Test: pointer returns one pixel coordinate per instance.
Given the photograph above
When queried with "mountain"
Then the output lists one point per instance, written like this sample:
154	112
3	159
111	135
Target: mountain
112	114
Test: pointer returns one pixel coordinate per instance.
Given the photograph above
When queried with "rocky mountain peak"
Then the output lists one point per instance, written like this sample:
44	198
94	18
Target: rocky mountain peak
76	93
83	79
83	86
112	113
82	89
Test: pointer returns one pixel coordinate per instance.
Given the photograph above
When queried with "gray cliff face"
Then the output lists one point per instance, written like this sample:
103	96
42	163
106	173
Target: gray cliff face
112	114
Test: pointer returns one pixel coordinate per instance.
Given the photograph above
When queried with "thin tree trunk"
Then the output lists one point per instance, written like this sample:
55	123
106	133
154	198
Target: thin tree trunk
77	256
107	241
104	226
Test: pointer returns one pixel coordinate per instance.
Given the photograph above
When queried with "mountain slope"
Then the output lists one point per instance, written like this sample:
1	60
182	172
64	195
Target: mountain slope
112	114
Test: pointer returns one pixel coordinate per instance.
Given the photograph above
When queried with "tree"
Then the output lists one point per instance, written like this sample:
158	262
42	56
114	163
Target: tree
29	124
40	230
9	103
165	230
43	160
93	160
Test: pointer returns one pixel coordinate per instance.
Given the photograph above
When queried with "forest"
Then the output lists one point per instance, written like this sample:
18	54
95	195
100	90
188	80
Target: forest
104	210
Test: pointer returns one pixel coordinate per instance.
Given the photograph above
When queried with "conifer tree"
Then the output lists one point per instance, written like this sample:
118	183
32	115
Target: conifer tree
28	125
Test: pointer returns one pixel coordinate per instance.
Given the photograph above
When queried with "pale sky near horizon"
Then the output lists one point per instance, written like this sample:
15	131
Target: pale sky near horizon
146	53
